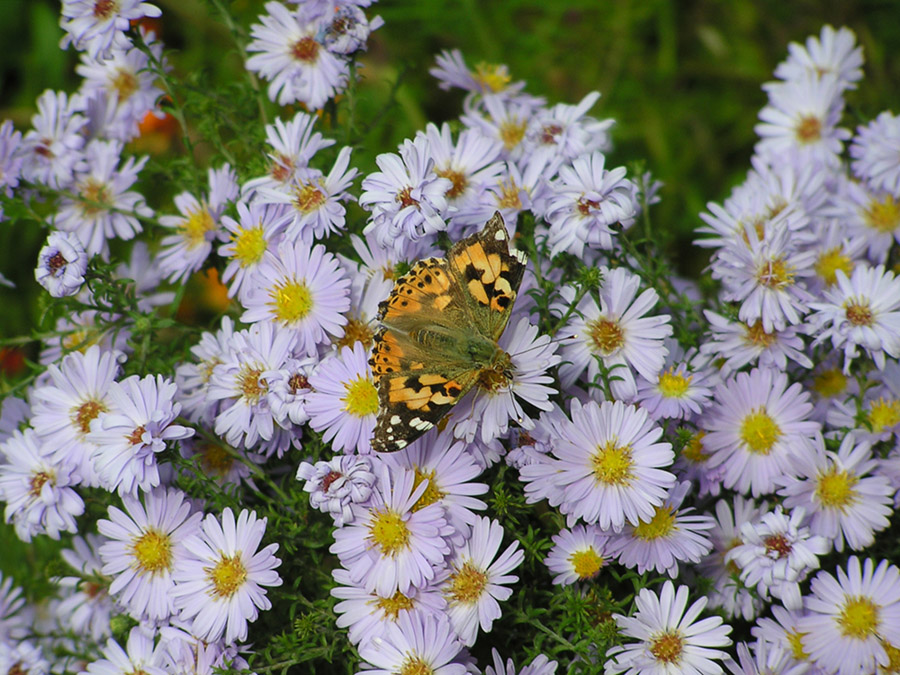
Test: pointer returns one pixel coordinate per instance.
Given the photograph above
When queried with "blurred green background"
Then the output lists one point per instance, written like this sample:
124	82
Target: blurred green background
682	79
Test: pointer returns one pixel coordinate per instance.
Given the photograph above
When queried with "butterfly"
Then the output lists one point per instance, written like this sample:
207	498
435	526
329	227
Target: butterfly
438	333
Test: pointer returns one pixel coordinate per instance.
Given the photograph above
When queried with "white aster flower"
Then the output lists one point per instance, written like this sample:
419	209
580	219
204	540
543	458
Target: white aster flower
62	263
876	153
96	26
834	52
52	150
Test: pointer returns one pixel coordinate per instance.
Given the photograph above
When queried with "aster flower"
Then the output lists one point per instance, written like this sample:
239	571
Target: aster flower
605	468
861	311
285	51
85	606
578	554
469	164
406	197
77	392
38	489
259	228
873	415
762	660
681	390
336	484
693	464
10	159
425	644
184	252
193	378
15	616
842	501
23	658
477	581
51	151
133	431
776	554
833	52
503	119
145	542
669	637
540	665
184	654
487	78
348	31
565	131
876	153
618	332
869	218
740	344
849	619
301	289
62	263
781	635
79	331
97	26
757	427
587	199
389	546
836	249
139	655
220	579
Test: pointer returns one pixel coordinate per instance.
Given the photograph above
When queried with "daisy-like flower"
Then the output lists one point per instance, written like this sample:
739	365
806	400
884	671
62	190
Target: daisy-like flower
133	431
64	408
184	252
220	579
315	200
540	665
193	378
241	382
762	660
681	390
145	542
842	501
10	159
259	228
38	489
664	540
802	118
139	656
587	199
618	332
52	150
469	164
565	131
96	26
740	343
487	78
606	467
836	249
285	51
293	145
302	289
876	153
503	119
781	635
344	400
495	403
669	637
16	617
23	658
578	554
756	428
875	414
860	311
406	197
367	615
870	219
336	484
850	619
425	644
79	331
834	52
104	207
85	606
349	29
184	654
693	464
62	263
389	546
288	391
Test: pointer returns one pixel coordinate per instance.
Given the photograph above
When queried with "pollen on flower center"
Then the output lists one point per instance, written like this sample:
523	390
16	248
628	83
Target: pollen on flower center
153	551
414	665
778	546
467	584
306	49
282	168
293	301
298	381
883	215
405	197
612	464
308	197
775	274
38	480
249	245
829	262
859	617
586	206
85	413
757	336
196	226
809	129
393	605
607	335
56	263
329	478
586	563
859	313
361	398
883	414
492	76
252	386
136	437
356	330
94	196
693	449
228	575
660	525
667	647
674	385
124	84
432	494
759	432
458	181
835	489
512	133
389	532
509	195
104	9
216	459
829	383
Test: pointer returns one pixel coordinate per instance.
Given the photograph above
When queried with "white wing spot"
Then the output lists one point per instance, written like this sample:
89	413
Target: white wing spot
395	420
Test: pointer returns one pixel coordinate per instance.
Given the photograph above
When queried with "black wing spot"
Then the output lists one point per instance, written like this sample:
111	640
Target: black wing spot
503	301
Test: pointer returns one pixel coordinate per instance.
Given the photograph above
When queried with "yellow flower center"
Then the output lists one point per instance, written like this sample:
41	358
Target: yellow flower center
759	432
693	449
85	413
94	196
893	654
859	617
124	83
586	563
775	274
227	576
392	606
389	532
509	197
405	198
361	398
607	335
215	459
467	584
829	383
511	133
830	261
659	526
757	336
667	647
674	385
432	494
308	197
195	228
252	386
356	330
859	313
612	464
883	414
152	552
458	181
292	301
38	480
136	437
808	130
82	339
795	640
249	245
492	77
414	665
835	489
884	215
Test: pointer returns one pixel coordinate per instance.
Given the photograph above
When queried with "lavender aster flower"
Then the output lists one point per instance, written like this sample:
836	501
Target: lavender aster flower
15	616
426	644
876	153
834	52
99	25
85	606
259	228
52	149
139	656
540	665
62	263
578	554
10	159
334	485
